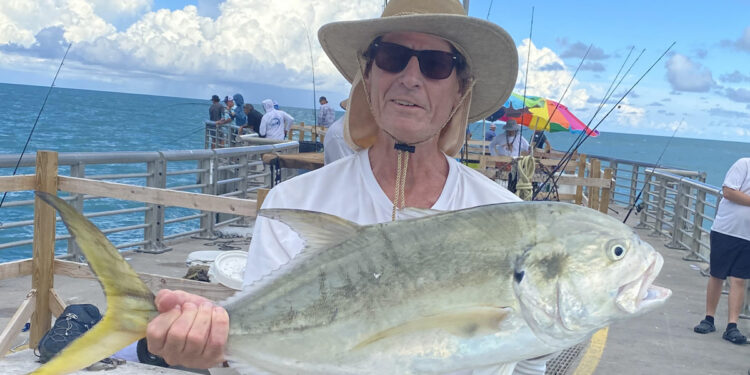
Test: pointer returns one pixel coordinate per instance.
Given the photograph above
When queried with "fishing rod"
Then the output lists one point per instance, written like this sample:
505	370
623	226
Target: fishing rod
588	134
28	139
526	77
653	169
577	141
568	155
312	67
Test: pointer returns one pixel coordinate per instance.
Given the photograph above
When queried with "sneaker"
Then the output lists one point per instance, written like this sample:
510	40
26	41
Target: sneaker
734	336
704	327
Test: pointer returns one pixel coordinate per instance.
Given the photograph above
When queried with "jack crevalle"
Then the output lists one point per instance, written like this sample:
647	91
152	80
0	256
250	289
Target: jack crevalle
440	293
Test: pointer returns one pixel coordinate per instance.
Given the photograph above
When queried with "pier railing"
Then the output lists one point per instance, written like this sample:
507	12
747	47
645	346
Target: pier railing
229	172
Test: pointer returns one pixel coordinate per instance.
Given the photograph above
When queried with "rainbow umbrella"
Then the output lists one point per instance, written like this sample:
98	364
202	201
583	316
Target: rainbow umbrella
538	112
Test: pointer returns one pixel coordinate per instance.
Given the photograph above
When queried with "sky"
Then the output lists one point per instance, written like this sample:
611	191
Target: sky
268	49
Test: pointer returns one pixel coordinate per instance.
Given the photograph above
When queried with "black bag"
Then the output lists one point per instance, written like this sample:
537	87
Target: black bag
73	322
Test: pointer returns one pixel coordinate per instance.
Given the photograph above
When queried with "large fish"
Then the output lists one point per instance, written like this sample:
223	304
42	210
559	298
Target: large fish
440	293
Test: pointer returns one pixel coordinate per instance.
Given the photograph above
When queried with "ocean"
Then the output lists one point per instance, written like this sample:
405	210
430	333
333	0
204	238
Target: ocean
94	121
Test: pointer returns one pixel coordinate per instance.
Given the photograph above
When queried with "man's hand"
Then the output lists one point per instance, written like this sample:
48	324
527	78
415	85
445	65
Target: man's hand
189	331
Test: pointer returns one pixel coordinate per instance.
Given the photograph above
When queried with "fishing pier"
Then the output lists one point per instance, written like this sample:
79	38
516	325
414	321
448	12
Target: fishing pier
158	207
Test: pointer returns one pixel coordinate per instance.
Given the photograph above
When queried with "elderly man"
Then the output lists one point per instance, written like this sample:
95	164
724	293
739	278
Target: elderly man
413	93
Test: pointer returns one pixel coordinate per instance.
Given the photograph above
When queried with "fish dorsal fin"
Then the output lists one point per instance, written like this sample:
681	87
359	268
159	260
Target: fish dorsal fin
407	213
317	229
466	322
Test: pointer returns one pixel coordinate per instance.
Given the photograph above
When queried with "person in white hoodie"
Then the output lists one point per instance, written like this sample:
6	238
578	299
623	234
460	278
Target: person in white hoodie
275	122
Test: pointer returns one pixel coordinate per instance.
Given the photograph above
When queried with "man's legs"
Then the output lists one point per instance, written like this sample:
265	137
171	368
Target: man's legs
736	298
713	293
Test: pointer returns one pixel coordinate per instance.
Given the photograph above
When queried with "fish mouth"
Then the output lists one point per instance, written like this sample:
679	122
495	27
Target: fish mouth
641	295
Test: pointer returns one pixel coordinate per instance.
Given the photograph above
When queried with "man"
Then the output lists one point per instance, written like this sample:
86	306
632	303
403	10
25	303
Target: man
275	123
510	143
490	134
412	95
730	251
539	140
216	110
253	119
326	117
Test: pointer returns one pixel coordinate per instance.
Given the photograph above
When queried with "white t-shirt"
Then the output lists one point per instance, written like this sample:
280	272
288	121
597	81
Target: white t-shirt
274	123
502	145
334	145
731	218
347	188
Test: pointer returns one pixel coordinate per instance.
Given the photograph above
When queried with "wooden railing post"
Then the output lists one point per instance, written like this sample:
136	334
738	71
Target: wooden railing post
581	175
606	194
42	279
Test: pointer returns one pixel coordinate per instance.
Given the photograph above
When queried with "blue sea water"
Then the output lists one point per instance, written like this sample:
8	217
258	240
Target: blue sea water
91	121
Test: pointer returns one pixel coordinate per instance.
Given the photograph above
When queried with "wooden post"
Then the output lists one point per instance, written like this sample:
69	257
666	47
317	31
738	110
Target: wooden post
606	192
44	245
595	172
262	192
581	175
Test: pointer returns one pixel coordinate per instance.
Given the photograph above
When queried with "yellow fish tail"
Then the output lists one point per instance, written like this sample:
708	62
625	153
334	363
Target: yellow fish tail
130	304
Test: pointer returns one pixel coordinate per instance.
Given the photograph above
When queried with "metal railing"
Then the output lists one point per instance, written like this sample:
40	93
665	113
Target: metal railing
682	209
232	172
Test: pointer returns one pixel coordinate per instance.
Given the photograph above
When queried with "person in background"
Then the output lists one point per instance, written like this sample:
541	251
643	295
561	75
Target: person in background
539	140
275	123
238	115
510	143
216	110
326	116
730	251
413	94
489	135
334	144
253	119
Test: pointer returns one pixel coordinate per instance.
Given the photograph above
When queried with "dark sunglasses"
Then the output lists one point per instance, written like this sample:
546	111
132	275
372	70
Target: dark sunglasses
433	64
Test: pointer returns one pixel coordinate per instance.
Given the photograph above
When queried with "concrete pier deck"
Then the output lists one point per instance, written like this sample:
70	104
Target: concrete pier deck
661	342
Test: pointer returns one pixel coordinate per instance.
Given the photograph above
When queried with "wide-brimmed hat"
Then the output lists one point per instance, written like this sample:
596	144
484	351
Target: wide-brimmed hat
511	125
489	51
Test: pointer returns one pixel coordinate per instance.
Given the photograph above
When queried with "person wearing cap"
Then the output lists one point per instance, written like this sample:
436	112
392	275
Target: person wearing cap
216	110
334	144
490	134
413	93
326	116
510	143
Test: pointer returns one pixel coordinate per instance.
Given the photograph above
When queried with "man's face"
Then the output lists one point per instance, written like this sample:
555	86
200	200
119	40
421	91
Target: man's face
408	105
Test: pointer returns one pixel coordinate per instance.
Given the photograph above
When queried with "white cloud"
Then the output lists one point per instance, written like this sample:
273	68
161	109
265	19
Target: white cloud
629	115
685	75
251	41
21	20
548	83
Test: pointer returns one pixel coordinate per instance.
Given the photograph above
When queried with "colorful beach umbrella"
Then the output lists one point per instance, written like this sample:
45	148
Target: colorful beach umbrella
537	115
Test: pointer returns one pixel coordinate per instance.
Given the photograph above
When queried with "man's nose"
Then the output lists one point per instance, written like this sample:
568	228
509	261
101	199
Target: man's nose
412	75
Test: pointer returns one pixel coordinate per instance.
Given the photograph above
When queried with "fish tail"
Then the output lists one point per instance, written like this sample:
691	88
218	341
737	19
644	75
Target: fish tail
130	304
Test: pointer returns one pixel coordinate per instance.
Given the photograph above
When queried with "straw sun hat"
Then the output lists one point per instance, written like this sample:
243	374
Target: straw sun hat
489	51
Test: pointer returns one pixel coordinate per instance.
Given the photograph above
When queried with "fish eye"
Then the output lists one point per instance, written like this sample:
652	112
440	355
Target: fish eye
617	252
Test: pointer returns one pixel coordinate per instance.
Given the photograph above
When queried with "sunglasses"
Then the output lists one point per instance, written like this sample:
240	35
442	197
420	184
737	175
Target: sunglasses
393	58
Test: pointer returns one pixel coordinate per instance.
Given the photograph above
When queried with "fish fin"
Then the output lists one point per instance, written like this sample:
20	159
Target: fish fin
470	322
407	213
318	230
130	304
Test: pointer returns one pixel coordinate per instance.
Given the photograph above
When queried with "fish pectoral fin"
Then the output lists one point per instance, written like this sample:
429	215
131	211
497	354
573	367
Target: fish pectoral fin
468	322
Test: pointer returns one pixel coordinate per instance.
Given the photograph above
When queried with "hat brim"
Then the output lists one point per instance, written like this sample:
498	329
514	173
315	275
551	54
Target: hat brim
488	49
